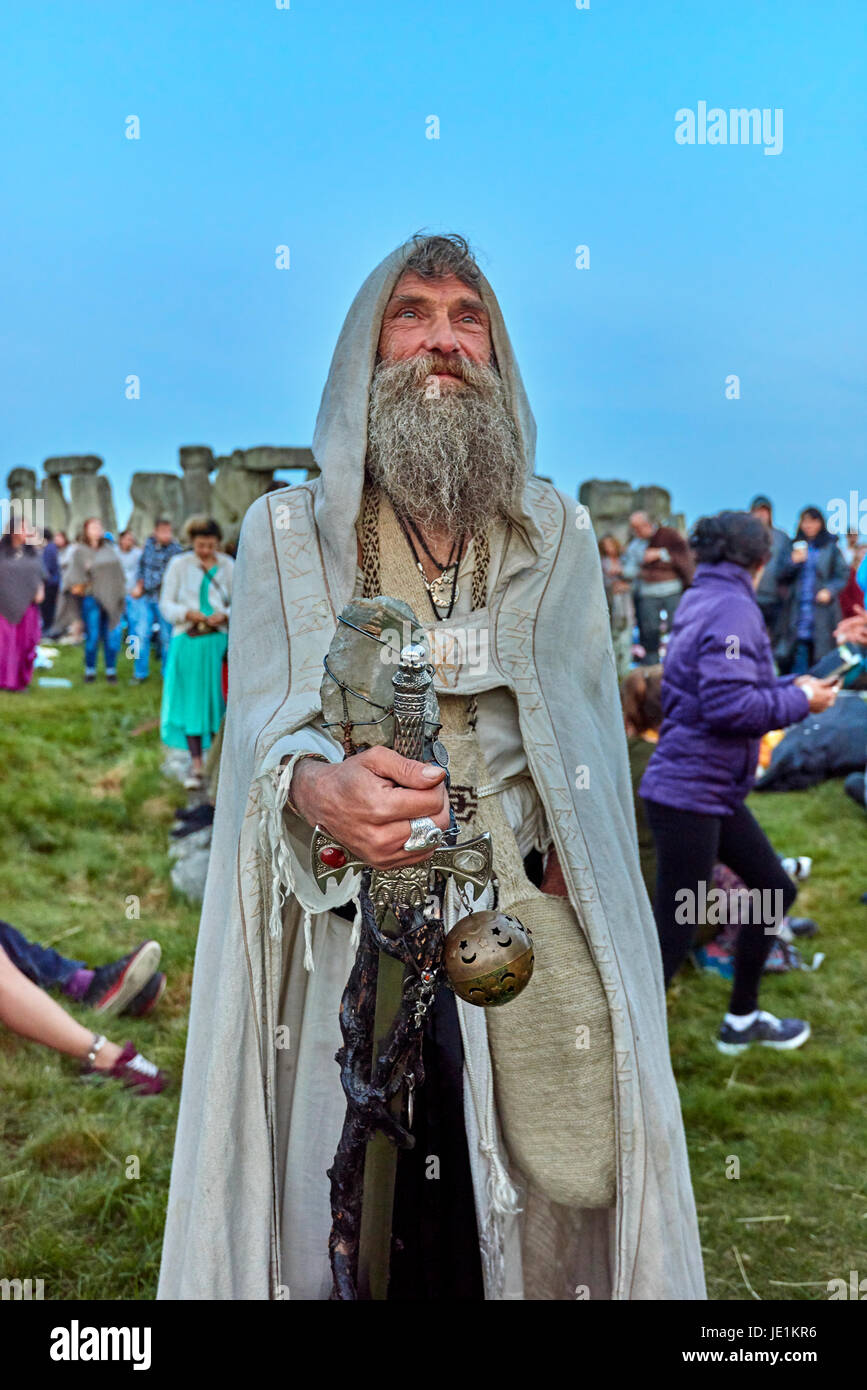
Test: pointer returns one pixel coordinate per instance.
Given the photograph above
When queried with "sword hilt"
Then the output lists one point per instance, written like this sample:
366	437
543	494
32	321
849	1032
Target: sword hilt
471	863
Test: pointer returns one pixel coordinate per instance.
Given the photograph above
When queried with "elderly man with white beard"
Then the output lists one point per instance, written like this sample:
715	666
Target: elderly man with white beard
549	1159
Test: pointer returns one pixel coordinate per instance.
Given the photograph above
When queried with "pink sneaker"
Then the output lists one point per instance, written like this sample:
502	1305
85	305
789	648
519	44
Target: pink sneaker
133	1070
136	1072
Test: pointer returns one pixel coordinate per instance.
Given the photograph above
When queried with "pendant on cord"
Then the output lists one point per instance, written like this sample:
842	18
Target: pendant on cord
443	590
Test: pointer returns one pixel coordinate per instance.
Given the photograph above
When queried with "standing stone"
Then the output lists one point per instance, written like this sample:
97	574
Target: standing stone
235	489
106	505
610	503
153	495
72	463
268	458
22	503
21	484
656	501
56	505
197	463
86	497
245	475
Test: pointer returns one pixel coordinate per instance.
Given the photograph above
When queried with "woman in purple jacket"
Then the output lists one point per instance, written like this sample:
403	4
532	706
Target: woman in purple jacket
719	696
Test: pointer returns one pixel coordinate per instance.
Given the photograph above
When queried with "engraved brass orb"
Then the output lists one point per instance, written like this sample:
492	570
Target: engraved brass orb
488	958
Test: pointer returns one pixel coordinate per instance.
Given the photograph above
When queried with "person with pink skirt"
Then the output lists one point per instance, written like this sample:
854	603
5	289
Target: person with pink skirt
21	591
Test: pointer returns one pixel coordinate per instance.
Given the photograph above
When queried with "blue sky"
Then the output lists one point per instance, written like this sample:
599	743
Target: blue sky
263	126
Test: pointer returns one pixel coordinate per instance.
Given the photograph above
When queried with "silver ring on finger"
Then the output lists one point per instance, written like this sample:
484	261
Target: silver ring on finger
423	834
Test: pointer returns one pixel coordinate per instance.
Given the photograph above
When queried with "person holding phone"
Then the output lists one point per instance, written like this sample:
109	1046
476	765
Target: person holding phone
661	574
720	695
815	573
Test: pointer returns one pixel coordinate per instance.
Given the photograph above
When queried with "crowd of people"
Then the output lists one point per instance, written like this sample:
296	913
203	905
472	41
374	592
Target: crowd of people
113	595
747	643
108	596
807	586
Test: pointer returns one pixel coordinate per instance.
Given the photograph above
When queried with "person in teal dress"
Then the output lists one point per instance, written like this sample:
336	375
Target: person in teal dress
196	597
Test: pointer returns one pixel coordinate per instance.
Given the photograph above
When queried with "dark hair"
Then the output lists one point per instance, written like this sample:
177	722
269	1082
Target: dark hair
822	537
162	521
738	537
434	257
202	526
6	542
760	500
641	698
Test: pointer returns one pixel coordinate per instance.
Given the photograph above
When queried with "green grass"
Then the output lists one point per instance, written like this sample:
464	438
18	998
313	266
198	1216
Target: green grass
796	1121
85	815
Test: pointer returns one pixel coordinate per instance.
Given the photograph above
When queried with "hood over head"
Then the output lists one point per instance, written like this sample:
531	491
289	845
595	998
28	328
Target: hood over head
340	437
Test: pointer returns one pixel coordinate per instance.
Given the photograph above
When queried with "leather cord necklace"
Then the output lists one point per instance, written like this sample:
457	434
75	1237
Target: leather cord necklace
436	588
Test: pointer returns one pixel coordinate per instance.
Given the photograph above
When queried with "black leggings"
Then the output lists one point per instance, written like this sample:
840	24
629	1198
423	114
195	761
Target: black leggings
687	847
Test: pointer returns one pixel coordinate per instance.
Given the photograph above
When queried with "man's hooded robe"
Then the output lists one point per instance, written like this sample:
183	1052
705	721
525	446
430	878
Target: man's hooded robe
261	1105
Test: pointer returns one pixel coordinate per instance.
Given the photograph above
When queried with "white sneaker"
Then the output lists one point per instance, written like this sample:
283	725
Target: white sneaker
783	1034
799	868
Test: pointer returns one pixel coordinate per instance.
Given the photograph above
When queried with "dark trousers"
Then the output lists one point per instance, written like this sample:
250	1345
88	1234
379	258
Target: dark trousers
648	609
687	847
435	1241
48	605
41	964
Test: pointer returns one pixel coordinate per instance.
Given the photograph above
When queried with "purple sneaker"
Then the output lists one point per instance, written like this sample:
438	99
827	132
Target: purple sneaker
784	1034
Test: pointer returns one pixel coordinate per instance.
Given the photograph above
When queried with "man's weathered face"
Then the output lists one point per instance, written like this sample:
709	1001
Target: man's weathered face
641	525
445	318
442	442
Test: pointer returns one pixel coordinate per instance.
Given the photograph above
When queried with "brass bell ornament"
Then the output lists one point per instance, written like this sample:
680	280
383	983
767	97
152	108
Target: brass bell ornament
488	958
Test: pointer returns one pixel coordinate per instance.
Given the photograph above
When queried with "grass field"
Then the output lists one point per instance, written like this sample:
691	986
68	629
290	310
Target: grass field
85	815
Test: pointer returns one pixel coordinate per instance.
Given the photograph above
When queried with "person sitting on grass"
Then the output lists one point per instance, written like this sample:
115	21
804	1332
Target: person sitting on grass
131	985
26	1010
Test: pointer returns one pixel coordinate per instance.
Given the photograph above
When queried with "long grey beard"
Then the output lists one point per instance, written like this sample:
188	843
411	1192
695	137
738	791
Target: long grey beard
448	456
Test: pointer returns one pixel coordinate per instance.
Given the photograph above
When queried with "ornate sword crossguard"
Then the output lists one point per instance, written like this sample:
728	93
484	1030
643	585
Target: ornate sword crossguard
470	863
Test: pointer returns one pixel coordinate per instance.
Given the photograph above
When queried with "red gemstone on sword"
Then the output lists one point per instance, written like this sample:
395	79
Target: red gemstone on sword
333	856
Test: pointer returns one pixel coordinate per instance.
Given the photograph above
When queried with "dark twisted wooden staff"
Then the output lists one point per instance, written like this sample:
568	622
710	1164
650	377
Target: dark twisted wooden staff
397	970
372	1090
